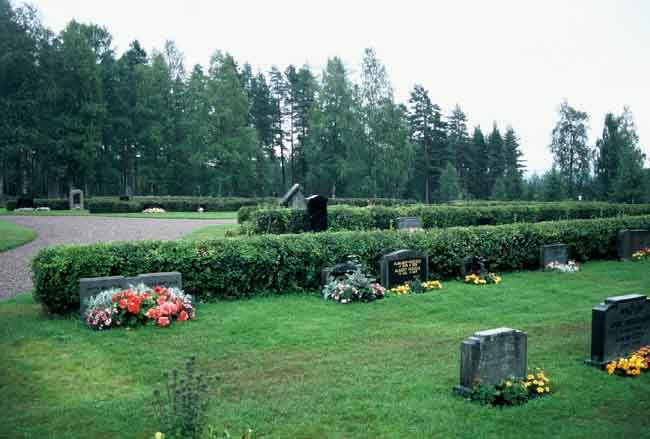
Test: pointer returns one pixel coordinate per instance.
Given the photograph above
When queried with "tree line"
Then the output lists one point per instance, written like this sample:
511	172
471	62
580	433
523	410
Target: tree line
75	114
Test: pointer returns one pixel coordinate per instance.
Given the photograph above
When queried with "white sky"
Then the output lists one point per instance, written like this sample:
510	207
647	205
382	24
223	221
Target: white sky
509	61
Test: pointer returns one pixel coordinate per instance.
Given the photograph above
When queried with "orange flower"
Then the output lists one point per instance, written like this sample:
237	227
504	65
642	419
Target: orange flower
163	321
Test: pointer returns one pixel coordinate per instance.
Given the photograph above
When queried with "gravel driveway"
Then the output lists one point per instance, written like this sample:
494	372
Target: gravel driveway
15	265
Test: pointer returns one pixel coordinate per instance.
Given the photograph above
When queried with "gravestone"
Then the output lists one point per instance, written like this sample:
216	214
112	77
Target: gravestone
490	356
619	326
125	198
91	286
76	199
294	198
486	221
472	265
317	211
402	266
631	241
410	223
553	253
337	271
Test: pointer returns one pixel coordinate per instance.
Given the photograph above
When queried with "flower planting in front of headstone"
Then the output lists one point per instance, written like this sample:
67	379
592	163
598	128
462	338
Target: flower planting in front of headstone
512	391
416	287
641	255
570	267
154	210
139	306
482	279
631	366
354	287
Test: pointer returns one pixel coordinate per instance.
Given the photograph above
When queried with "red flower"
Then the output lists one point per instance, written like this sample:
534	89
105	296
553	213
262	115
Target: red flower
123	303
163	321
183	316
134	306
153	313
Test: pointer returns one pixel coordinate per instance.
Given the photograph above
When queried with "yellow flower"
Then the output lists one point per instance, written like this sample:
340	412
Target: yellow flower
547	389
508	383
159	435
540	390
530	376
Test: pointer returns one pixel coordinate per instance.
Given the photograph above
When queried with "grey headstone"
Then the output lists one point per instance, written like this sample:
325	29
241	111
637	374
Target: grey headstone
409	223
91	286
553	253
73	203
631	241
619	326
403	266
490	356
172	279
294	198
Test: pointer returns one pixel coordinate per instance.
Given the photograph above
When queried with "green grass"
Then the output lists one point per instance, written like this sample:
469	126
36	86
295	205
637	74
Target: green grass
166	215
210	232
297	367
12	235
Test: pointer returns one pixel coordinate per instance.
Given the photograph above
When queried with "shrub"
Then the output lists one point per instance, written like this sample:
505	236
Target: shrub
280	221
52	203
174	204
246	266
512	391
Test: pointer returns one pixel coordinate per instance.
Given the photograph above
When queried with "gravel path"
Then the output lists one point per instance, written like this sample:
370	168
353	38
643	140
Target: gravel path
15	265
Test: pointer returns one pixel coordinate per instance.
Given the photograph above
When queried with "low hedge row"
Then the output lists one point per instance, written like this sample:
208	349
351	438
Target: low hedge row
248	266
281	221
245	213
52	203
174	204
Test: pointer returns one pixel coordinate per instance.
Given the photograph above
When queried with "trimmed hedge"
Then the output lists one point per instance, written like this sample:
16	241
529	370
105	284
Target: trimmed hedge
245	213
173	204
248	266
52	203
340	218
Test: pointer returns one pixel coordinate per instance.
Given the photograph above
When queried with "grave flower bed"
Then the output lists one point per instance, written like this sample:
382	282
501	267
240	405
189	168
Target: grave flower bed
139	306
482	279
154	210
512	391
641	255
631	366
569	267
416	287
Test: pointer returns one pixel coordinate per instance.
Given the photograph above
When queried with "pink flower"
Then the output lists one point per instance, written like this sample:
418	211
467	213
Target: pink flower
163	321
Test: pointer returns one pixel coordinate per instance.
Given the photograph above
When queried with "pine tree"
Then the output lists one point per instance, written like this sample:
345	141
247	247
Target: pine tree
553	186
449	184
478	166
278	87
513	172
495	157
460	146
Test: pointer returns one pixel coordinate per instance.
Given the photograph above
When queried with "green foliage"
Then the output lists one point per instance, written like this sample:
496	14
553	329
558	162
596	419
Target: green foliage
340	218
173	204
449	184
248	266
181	408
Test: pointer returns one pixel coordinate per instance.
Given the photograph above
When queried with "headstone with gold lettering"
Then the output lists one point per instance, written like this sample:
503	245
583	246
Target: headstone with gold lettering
619	326
402	266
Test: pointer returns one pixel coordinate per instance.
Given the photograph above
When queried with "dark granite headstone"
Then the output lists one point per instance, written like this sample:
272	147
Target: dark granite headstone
553	253
317	211
125	198
472	265
631	241
402	266
294	198
619	326
409	223
490	356
337	271
486	221
91	286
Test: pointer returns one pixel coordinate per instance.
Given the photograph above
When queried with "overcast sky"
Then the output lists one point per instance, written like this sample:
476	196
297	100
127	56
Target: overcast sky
512	62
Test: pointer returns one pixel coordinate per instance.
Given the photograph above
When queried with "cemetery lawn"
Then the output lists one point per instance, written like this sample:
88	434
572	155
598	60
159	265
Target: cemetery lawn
298	367
210	232
13	235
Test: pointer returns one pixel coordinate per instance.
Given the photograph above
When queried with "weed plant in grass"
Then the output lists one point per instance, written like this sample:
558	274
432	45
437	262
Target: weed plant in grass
12	235
299	367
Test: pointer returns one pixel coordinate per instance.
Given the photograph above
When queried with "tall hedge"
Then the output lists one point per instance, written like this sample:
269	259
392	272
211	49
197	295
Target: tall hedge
340	218
239	267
